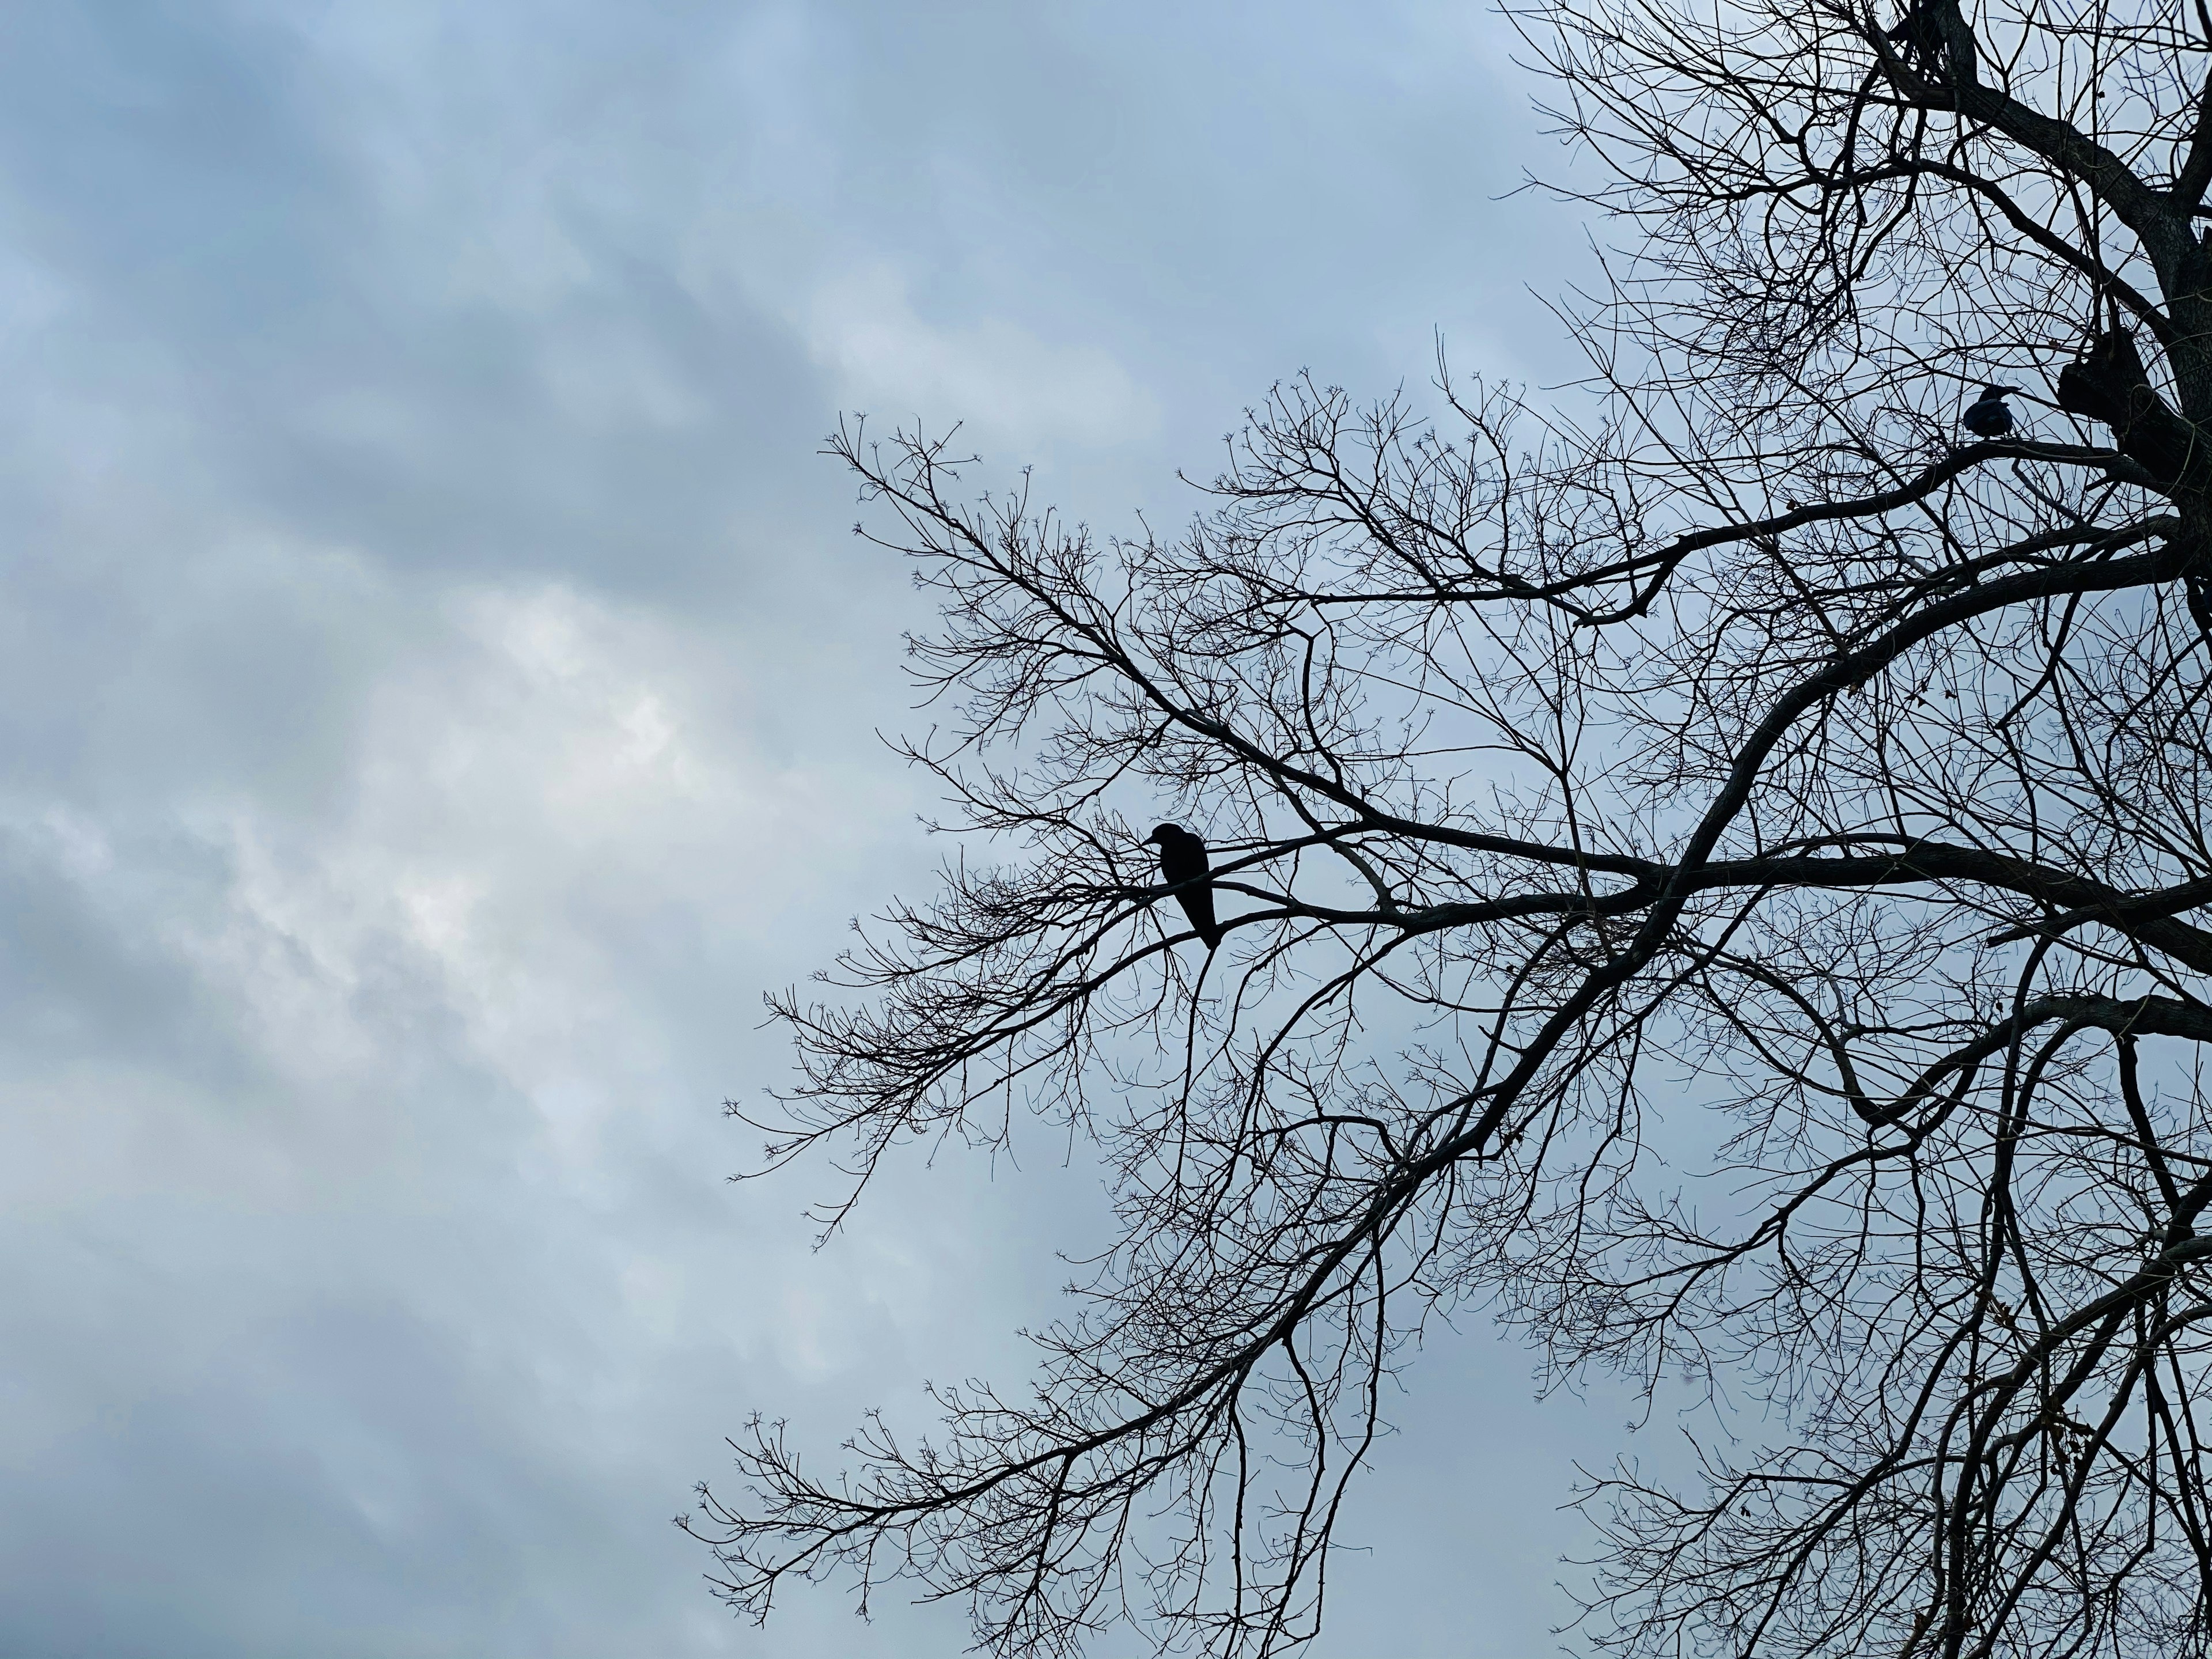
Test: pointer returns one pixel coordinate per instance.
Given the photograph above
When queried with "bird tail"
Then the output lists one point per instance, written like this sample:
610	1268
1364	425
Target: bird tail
1198	910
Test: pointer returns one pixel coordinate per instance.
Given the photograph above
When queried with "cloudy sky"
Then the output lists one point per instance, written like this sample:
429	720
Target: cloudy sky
440	694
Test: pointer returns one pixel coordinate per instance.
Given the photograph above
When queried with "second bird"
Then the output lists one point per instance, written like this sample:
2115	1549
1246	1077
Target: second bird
1989	415
1182	860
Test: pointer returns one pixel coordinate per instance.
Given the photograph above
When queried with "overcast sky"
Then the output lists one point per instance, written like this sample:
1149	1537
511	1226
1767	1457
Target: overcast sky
440	694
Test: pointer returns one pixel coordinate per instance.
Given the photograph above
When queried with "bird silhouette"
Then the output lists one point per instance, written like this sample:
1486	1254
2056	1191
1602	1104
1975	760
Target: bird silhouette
1935	37
1182	859
1988	416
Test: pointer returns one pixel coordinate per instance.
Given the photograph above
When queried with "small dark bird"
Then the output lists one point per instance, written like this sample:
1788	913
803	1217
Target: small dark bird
1935	37
1988	417
1182	859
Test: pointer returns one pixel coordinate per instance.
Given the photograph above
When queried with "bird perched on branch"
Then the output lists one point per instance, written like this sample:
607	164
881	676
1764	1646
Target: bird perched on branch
2108	382
1933	35
1183	866
1988	416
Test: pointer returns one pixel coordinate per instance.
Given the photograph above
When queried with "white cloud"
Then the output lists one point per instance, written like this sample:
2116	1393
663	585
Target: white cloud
438	700
886	358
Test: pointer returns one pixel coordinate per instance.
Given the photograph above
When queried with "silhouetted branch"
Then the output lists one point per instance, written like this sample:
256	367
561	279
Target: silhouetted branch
1729	746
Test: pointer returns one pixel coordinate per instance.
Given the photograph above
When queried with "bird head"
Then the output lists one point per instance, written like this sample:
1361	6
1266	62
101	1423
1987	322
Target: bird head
1164	833
1990	392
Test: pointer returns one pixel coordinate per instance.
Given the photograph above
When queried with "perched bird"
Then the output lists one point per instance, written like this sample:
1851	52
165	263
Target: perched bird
1987	417
1182	859
1935	37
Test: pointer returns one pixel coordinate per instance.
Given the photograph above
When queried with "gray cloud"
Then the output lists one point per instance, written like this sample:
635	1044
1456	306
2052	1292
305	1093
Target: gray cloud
438	696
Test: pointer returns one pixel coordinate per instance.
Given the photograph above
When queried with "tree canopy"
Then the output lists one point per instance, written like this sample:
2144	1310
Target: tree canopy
1743	764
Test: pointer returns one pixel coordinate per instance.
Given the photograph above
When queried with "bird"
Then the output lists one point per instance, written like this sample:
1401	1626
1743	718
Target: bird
1988	417
1935	37
1182	859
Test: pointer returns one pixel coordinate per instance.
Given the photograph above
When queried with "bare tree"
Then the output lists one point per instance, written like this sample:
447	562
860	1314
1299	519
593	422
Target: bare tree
1754	770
